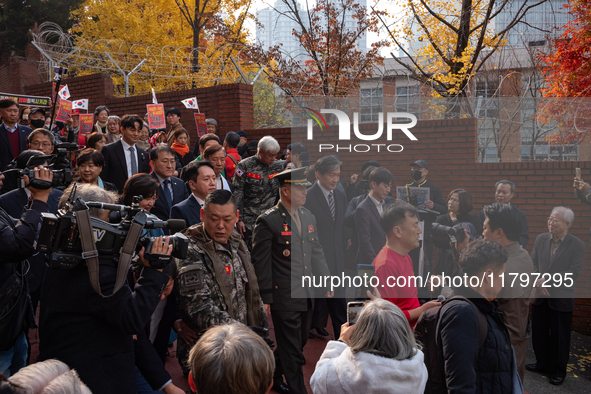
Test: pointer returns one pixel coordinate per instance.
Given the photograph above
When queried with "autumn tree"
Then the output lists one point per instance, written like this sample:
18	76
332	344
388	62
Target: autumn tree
567	72
567	67
333	64
198	14
269	108
455	39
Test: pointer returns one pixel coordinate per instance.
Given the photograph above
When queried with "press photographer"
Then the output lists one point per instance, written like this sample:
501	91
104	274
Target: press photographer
90	332
17	237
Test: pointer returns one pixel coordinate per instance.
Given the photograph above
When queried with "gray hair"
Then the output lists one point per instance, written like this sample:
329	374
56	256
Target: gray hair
268	144
88	192
567	214
100	109
382	329
115	118
211	121
505	182
49	377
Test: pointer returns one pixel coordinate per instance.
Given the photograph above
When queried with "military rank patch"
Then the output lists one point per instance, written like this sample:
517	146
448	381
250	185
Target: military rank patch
286	252
272	175
253	175
228	269
191	277
239	172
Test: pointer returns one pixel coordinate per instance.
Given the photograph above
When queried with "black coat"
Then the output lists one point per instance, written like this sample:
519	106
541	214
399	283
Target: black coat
524	237
115	169
281	260
6	153
189	210
330	232
439	204
17	239
371	238
179	194
94	334
15	204
468	368
568	259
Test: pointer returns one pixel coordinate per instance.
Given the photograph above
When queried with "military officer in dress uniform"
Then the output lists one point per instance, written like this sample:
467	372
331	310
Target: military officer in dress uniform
286	250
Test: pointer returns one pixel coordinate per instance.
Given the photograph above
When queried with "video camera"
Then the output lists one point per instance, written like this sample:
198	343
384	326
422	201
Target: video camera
58	164
445	233
61	239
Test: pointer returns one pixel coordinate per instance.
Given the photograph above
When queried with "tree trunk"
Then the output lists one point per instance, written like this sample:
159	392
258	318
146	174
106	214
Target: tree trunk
196	33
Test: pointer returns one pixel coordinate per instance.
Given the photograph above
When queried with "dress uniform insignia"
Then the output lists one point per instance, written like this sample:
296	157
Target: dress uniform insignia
285	230
286	252
310	228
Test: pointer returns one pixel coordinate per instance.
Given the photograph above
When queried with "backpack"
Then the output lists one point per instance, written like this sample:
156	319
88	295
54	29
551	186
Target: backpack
426	331
234	160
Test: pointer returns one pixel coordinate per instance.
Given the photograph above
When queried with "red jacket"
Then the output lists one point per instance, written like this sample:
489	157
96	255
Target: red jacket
230	165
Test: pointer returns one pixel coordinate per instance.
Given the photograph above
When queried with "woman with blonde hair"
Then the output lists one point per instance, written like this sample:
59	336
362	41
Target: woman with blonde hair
378	354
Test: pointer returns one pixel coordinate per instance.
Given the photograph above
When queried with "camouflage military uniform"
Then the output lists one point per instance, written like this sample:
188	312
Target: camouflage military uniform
216	286
255	191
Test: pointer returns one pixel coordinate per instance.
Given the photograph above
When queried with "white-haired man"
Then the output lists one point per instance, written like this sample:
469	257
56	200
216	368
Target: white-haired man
558	256
255	189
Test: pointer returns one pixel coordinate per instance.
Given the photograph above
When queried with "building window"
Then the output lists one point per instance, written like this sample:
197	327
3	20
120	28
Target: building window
370	104
408	99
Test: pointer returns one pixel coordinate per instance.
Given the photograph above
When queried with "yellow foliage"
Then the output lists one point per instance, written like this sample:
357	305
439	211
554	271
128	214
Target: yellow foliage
157	31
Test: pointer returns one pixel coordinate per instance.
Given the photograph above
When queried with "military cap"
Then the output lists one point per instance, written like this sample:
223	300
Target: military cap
294	176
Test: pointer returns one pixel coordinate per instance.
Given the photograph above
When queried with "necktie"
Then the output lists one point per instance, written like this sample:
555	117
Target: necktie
167	195
331	204
133	160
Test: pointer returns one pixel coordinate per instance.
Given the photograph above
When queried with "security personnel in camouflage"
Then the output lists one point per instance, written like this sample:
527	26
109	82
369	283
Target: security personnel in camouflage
254	187
216	283
286	249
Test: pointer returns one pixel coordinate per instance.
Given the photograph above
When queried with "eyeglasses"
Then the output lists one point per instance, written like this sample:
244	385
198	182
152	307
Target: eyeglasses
38	144
554	221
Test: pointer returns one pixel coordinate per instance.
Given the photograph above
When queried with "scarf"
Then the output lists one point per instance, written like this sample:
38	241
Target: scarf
100	127
180	149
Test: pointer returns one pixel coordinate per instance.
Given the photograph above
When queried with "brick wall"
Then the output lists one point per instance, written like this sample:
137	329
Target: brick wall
449	147
231	105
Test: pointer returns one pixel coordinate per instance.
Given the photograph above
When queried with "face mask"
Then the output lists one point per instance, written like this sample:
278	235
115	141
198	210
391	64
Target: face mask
416	174
37	123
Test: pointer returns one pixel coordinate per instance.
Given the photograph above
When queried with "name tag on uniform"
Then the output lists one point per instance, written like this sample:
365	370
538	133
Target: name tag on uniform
253	175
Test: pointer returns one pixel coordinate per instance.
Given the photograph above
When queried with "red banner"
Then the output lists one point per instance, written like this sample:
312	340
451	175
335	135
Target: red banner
200	123
156	119
64	112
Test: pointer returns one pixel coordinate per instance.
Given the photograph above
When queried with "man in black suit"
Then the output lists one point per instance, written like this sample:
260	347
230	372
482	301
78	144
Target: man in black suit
371	237
13	137
92	333
286	250
200	176
557	252
171	190
327	204
124	158
504	193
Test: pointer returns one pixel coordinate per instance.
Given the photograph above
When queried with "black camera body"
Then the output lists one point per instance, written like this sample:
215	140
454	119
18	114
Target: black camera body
59	236
446	233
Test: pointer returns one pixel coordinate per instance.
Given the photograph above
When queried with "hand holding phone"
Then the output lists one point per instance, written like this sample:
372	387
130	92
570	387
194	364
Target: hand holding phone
353	311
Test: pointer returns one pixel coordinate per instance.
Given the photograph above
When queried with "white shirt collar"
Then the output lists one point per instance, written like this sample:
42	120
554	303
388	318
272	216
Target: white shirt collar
324	191
126	146
160	179
200	201
29	194
9	129
378	203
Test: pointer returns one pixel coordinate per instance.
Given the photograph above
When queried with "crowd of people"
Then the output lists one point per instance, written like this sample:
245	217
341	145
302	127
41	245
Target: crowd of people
258	220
